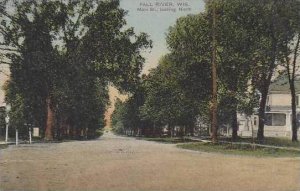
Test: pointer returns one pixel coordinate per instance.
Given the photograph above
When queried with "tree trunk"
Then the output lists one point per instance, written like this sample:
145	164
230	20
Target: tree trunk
234	103
292	88
191	127
265	89
49	121
294	114
264	95
59	130
234	124
261	116
153	131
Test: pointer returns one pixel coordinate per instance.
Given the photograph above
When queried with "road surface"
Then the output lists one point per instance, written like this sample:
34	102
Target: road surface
114	163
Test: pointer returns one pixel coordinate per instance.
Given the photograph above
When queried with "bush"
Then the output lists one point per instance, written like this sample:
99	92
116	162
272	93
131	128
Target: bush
98	133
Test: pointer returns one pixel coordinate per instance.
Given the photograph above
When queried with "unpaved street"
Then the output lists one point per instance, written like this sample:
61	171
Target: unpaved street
115	163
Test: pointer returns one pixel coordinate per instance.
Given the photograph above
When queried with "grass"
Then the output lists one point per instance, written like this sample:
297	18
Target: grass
170	140
239	149
99	133
272	141
3	146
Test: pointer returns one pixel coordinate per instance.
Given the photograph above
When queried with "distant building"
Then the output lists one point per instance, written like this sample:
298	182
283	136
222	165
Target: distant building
278	116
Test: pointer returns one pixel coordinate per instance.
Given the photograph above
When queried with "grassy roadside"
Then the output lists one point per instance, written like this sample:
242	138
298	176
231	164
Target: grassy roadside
272	141
234	149
3	147
167	140
239	149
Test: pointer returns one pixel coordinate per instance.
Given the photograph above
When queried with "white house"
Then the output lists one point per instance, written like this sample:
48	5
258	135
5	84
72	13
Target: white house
278	112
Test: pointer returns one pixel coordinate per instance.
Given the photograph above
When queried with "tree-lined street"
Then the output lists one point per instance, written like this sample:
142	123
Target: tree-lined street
121	163
212	82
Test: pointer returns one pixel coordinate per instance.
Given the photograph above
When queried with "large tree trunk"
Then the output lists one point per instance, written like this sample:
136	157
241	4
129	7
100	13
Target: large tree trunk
234	104
49	121
292	88
234	124
264	92
261	115
294	114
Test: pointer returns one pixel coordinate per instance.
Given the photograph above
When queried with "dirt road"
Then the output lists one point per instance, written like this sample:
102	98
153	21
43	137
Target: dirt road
115	163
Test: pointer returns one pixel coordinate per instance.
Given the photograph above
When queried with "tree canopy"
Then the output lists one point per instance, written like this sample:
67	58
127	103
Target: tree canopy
251	37
65	54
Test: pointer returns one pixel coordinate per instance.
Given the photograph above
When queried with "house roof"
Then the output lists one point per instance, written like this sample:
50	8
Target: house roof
281	85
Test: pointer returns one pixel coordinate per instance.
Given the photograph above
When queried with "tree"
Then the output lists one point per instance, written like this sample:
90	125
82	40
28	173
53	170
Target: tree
2	120
234	55
291	71
234	51
104	50
166	103
249	48
34	59
62	72
290	54
117	117
189	42
271	31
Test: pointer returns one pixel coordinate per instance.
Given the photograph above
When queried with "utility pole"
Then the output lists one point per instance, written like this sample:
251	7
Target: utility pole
214	122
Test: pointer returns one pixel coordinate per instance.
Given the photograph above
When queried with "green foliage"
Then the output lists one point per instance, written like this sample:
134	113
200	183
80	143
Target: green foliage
68	52
2	117
165	102
247	48
3	146
179	89
117	117
189	43
98	133
17	113
127	117
2	121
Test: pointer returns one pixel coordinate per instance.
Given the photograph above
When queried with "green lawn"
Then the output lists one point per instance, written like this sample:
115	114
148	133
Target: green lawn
3	146
238	149
273	141
169	140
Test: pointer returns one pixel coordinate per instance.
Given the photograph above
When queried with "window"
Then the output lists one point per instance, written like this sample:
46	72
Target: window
275	119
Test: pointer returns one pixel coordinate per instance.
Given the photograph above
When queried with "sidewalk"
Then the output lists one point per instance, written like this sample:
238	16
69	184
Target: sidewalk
245	143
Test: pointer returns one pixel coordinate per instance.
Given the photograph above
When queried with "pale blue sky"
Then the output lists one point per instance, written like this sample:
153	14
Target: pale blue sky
156	23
